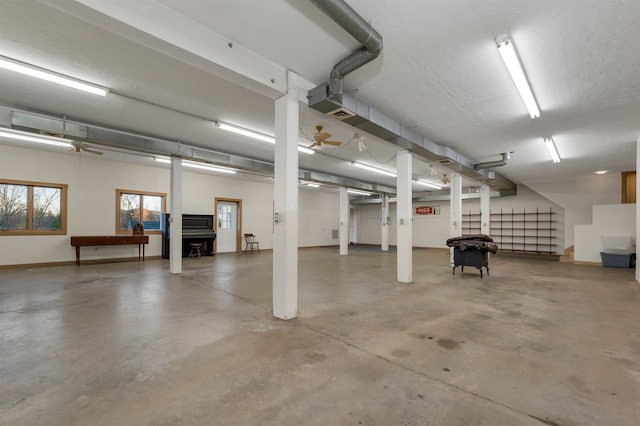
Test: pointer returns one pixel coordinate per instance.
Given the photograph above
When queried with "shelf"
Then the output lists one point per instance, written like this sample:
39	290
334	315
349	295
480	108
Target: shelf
509	232
519	221
524	244
512	237
530	232
522	213
529	252
509	228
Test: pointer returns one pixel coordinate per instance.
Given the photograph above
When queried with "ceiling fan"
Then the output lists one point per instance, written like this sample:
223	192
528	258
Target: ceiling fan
77	145
445	179
83	146
321	137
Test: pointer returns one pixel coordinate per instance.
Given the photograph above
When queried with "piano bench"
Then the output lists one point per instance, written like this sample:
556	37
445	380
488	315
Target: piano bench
195	249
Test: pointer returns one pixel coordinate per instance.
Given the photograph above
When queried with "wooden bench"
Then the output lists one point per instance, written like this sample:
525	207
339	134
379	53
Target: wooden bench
110	240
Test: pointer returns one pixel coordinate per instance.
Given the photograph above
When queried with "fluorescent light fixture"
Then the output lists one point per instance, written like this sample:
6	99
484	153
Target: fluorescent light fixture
511	60
209	168
245	132
429	184
41	73
373	169
309	183
32	137
551	147
195	165
255	135
601	172
357	192
305	150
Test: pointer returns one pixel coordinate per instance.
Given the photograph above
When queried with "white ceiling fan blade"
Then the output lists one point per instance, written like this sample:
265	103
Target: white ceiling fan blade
92	151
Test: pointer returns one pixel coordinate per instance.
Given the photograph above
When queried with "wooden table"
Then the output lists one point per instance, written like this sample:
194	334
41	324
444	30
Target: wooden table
109	240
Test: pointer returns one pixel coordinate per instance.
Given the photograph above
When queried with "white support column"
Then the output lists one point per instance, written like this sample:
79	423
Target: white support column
344	221
385	226
637	236
285	230
455	191
405	217
485	210
175	206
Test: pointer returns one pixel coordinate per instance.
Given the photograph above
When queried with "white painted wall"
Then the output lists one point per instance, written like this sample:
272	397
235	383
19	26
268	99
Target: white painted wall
200	191
319	214
578	195
91	208
433	230
636	237
91	205
618	220
428	230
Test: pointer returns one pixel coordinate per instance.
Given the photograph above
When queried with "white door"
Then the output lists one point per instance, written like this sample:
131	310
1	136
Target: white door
227	227
353	230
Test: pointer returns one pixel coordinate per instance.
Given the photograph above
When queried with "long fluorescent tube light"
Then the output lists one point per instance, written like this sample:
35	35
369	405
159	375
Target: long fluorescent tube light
209	168
255	135
309	183
305	150
511	60
357	192
37	72
373	169
429	184
245	132
30	137
195	165
551	147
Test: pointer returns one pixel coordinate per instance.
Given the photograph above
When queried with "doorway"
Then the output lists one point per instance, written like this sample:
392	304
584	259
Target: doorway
353	226
228	225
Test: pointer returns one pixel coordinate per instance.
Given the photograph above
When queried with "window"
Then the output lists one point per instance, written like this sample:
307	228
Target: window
628	187
139	207
33	208
224	216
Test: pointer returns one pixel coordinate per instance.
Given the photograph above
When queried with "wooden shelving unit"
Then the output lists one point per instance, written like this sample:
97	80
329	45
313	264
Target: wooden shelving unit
523	231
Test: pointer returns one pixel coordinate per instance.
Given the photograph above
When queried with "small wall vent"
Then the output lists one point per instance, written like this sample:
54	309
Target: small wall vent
341	114
445	161
54	134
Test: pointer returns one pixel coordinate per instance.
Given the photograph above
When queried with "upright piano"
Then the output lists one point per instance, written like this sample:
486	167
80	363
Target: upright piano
196	228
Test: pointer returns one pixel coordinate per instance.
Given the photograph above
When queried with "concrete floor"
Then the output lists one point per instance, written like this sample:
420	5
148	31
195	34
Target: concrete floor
535	343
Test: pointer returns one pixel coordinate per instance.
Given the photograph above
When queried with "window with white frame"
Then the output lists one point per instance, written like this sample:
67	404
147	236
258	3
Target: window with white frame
224	216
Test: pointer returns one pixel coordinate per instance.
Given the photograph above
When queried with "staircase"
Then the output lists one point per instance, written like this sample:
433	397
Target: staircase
567	257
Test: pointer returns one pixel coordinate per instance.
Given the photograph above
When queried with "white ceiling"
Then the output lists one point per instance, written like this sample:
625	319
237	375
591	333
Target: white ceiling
439	72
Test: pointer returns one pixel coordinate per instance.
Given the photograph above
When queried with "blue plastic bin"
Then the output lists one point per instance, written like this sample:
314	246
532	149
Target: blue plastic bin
615	260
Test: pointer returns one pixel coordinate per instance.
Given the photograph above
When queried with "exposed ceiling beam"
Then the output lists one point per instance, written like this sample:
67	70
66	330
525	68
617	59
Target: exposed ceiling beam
426	199
136	143
224	57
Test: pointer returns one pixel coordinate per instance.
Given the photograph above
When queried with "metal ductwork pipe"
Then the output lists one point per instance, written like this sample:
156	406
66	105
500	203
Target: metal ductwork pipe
329	99
361	30
141	144
506	156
